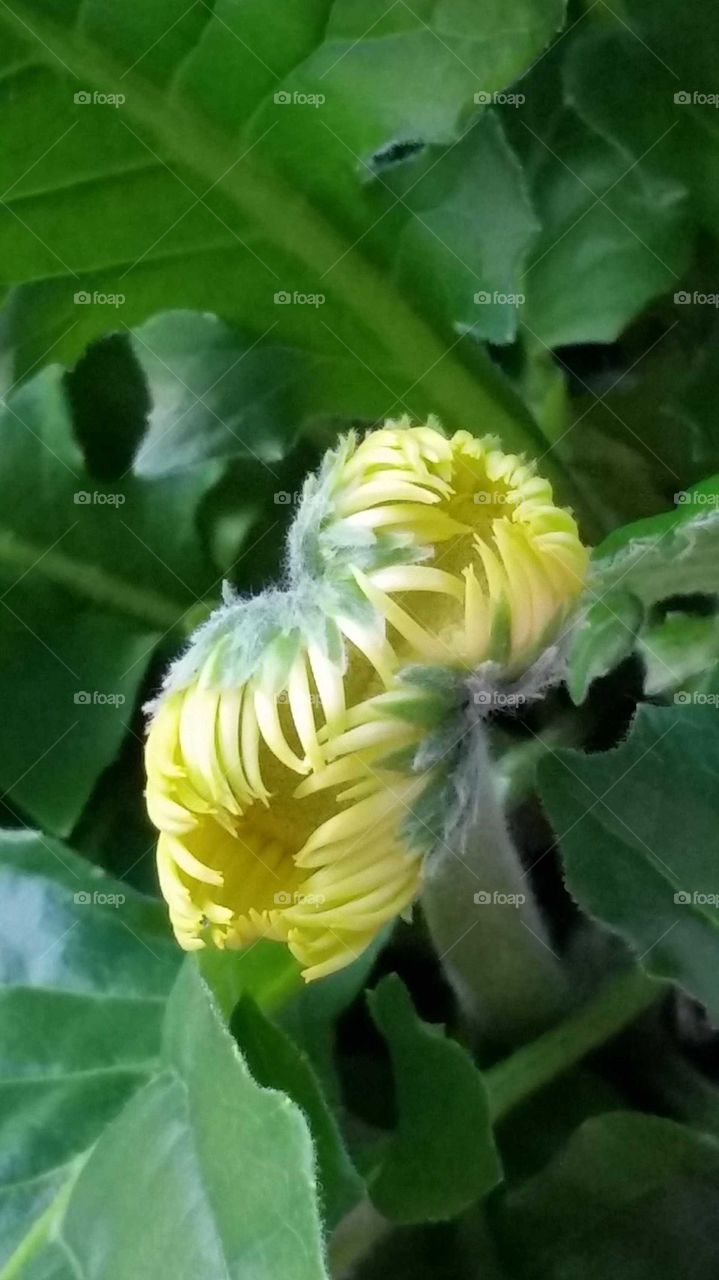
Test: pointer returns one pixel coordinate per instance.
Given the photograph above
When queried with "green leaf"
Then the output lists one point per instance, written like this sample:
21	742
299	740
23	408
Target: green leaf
637	835
223	163
604	637
677	650
470	225
612	236
661	556
533	1130
85	967
214	396
202	1143
647	84
441	1158
277	1063
267	972
93	573
623	1180
310	1015
649	435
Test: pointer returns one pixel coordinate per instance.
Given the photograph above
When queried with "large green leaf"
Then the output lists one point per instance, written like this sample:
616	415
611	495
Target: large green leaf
85	967
93	573
630	1195
638	838
219	161
214	396
612	237
441	1157
470	223
652	432
647	82
276	1062
204	1173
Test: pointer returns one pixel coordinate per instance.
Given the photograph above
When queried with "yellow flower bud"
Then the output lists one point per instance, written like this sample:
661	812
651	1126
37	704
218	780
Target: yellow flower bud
463	550
273	827
282	760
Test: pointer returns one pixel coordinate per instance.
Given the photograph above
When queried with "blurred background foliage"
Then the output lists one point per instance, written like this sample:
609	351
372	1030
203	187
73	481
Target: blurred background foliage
226	237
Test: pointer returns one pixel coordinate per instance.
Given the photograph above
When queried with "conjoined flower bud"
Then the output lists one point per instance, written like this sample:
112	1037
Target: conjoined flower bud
286	758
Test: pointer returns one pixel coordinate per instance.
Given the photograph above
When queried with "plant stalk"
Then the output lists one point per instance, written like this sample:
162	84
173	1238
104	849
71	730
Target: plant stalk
485	923
535	1065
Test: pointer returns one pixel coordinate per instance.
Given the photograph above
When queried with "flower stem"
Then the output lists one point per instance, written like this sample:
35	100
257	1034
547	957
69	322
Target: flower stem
534	1065
485	923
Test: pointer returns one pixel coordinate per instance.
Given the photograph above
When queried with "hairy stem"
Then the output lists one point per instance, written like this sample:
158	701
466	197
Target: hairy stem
484	921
